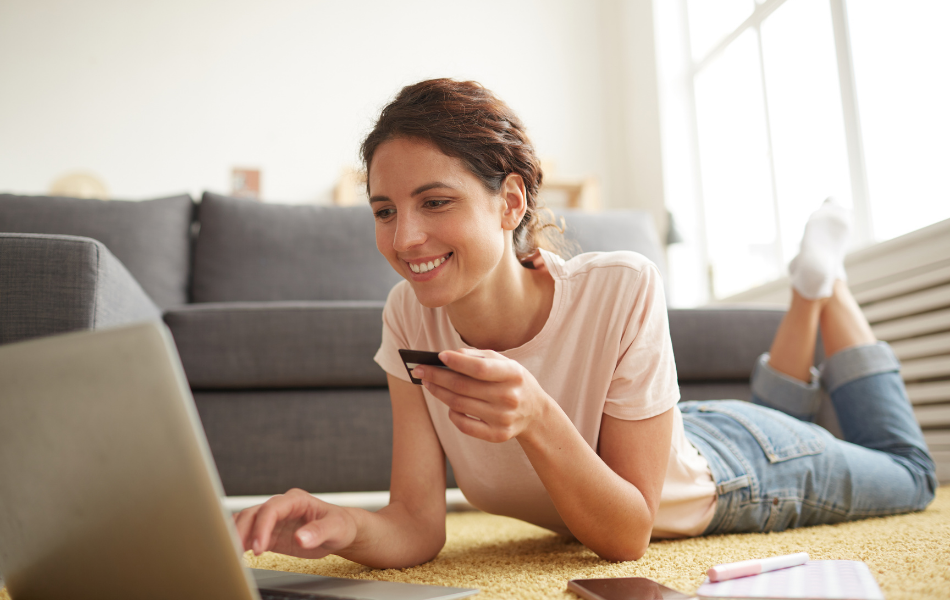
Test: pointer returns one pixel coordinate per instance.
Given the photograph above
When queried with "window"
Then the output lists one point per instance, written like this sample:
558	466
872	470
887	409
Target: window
797	100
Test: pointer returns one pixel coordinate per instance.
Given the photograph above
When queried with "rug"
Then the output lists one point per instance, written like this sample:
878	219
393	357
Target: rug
909	556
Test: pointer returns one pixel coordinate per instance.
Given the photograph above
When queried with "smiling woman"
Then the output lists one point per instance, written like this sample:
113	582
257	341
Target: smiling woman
558	405
466	121
434	217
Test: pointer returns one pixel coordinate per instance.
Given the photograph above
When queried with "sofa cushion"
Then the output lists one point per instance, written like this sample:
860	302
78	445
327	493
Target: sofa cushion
151	238
251	251
330	440
268	441
279	344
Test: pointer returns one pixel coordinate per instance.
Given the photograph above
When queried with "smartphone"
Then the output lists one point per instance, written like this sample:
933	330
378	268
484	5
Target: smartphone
624	588
414	358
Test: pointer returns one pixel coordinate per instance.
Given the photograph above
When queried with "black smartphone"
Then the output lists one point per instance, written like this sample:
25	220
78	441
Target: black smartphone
414	358
624	588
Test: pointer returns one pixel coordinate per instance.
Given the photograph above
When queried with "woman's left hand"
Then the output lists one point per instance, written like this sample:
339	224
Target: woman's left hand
490	396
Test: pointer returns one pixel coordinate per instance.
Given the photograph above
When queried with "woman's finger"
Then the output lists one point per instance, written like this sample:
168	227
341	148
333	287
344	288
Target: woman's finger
475	427
480	353
310	535
278	508
458	383
485	366
318	538
334	531
472	407
243	522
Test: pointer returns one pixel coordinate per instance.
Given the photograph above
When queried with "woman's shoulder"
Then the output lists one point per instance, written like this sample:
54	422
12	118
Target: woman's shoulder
610	265
620	279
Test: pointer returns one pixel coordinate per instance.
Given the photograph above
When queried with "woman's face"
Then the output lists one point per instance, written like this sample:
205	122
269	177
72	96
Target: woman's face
436	223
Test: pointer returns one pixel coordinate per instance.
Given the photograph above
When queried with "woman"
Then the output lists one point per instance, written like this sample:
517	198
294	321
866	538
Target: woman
559	406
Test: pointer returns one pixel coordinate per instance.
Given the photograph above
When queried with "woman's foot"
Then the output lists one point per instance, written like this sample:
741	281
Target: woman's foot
820	261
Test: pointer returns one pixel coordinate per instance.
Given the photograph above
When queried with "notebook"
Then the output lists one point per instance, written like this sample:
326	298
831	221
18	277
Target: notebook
838	579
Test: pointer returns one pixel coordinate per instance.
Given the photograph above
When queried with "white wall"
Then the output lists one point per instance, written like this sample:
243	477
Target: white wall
165	97
634	151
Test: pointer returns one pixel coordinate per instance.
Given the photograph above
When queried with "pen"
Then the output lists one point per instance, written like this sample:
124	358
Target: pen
755	566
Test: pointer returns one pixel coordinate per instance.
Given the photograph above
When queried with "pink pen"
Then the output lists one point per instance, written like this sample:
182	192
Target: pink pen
755	566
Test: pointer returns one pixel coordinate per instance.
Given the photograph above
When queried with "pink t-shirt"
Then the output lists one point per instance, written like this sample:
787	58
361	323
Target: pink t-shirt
605	349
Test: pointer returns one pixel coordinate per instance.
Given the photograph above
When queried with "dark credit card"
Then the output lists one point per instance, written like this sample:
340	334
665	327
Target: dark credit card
414	358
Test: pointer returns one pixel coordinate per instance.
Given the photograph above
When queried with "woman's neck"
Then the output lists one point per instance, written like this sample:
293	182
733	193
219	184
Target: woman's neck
507	311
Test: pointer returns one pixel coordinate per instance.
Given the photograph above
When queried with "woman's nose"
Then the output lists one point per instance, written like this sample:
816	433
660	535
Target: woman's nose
409	233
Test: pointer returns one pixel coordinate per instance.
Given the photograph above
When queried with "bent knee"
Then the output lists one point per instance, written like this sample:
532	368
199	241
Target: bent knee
928	490
926	480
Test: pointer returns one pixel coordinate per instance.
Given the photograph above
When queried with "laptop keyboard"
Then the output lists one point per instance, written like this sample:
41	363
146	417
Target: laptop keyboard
282	595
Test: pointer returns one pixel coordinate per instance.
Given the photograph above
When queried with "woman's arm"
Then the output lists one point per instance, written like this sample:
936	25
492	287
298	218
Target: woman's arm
411	530
608	501
407	532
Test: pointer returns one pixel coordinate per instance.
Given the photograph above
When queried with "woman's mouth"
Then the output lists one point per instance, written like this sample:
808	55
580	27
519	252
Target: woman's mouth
427	267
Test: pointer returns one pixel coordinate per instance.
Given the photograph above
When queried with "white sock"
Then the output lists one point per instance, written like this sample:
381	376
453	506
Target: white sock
820	261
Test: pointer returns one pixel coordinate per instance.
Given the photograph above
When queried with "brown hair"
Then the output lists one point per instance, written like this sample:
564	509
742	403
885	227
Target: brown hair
465	120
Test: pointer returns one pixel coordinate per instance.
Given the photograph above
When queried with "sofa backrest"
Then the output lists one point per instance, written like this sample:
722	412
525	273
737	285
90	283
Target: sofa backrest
252	251
716	348
612	230
151	238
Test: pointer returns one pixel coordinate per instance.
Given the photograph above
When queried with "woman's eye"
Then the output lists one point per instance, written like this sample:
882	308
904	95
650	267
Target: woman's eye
435	203
384	213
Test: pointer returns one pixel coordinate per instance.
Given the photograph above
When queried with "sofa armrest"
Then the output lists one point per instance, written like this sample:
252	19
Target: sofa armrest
52	284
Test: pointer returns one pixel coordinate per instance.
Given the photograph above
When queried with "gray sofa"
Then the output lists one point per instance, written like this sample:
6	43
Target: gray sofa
276	313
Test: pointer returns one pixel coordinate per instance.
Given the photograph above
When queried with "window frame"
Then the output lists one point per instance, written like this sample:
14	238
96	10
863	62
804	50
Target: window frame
863	225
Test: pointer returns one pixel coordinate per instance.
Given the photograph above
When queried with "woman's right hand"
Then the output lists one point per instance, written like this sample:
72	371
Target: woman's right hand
296	524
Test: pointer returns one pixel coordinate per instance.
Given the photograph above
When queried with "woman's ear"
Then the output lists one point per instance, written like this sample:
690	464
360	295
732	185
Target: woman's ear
516	201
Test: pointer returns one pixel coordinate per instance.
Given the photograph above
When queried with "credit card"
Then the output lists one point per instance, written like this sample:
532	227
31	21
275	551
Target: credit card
414	358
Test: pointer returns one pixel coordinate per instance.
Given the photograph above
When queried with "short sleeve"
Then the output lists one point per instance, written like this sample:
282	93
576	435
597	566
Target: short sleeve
394	333
644	383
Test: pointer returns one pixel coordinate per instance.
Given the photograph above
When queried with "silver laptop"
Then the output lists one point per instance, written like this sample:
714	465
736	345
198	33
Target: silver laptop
108	488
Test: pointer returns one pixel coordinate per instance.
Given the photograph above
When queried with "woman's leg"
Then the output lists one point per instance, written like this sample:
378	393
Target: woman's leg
819	296
843	325
793	347
785	378
775	472
863	378
885	468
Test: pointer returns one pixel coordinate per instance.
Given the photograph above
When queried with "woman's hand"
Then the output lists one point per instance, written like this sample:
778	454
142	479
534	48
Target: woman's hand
489	396
297	524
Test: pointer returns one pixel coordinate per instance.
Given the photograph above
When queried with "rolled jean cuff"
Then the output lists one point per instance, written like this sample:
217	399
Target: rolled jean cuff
785	393
856	363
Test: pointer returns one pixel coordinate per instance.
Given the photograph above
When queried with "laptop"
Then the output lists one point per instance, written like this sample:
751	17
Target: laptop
107	485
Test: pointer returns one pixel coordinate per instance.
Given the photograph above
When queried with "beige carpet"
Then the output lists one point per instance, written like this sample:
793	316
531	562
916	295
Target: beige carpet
909	556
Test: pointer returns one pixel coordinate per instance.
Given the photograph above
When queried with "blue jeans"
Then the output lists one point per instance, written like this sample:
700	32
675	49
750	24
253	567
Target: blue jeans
774	469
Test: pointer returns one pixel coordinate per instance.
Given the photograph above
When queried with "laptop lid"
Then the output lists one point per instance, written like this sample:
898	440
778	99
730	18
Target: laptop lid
107	486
